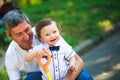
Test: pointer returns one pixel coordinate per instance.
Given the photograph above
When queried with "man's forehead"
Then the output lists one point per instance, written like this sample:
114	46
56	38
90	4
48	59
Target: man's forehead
20	27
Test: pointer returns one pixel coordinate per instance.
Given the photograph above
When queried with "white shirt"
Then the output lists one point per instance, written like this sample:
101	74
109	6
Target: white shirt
15	61
59	66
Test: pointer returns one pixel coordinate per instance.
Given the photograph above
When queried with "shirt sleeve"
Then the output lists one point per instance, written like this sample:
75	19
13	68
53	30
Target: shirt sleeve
68	50
12	70
35	48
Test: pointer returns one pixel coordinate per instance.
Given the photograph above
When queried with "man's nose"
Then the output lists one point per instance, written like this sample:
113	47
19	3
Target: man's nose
25	36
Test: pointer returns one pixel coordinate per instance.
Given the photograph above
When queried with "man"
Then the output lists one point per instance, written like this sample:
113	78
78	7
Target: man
18	28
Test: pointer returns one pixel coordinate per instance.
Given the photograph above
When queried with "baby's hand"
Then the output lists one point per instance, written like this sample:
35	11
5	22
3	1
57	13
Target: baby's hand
41	51
72	66
72	63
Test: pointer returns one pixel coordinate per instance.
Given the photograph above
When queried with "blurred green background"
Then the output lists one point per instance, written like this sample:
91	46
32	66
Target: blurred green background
79	19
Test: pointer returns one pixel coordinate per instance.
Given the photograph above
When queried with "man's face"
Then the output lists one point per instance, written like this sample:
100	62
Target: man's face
22	34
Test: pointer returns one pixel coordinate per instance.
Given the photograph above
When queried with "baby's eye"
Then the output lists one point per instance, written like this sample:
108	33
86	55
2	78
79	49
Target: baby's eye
54	31
47	35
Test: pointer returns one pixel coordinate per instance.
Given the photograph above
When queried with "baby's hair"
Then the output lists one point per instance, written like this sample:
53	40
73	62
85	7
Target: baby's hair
42	23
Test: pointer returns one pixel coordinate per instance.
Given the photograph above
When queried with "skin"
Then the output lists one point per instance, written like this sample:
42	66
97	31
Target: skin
22	34
50	34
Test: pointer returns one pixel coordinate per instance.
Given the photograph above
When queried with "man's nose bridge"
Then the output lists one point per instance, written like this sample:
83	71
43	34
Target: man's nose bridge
25	35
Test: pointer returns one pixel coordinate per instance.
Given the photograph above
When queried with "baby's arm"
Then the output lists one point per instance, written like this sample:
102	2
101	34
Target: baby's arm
72	63
30	56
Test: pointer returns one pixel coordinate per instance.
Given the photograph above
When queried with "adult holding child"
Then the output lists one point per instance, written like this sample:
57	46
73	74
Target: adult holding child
18	28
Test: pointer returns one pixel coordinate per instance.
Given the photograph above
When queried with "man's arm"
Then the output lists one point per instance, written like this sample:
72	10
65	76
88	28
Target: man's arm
72	75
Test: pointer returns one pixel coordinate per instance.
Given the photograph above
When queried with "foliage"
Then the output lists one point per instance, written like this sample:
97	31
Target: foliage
28	2
4	41
79	20
3	74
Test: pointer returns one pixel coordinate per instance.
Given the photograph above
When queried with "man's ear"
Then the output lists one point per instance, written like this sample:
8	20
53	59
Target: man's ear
9	36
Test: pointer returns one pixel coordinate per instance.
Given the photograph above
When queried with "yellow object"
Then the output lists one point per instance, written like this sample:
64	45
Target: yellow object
48	76
105	25
44	66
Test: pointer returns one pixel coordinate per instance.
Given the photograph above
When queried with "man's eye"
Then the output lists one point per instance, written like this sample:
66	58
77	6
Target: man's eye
27	29
18	34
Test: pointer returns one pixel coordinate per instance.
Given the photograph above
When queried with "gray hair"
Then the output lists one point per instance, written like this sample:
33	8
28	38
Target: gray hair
12	19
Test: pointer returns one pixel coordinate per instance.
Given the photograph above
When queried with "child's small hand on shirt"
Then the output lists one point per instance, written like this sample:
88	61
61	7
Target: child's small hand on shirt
72	66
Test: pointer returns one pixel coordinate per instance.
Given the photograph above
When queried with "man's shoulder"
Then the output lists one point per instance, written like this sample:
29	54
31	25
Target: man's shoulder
11	48
12	44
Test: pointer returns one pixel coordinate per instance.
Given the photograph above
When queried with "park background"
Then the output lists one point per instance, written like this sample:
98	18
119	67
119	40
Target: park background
79	20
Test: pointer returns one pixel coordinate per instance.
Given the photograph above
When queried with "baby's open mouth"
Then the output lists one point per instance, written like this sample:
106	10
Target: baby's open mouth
53	40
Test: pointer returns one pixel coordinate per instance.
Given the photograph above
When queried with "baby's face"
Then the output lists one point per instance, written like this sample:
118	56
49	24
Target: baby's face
50	34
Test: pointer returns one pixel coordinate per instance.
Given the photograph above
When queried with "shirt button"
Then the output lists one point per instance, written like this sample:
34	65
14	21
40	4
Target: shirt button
56	70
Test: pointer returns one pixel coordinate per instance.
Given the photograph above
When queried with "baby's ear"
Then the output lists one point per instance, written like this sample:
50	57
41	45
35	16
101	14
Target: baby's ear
41	40
37	38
